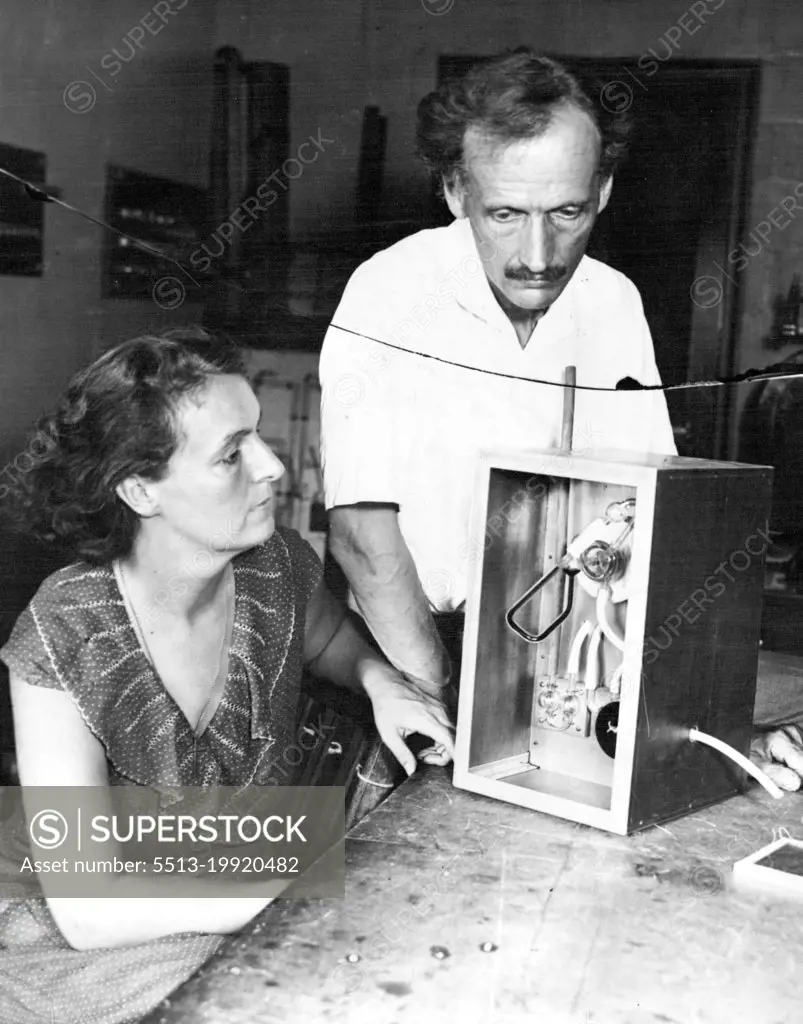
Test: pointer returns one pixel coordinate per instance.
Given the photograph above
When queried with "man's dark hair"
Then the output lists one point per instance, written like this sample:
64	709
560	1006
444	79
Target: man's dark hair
509	98
117	418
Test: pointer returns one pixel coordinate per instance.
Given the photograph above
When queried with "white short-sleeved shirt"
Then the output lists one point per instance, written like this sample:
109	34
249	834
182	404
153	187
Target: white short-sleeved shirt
397	428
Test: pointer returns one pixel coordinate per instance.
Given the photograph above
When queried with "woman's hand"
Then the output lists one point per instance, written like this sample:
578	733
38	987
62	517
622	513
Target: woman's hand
401	709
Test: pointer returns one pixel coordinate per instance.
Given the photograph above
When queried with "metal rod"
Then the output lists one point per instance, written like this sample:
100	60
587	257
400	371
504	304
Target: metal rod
560	523
555	542
567	423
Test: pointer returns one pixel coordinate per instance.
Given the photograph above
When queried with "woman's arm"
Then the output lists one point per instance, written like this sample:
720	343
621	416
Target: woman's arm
56	748
336	651
111	922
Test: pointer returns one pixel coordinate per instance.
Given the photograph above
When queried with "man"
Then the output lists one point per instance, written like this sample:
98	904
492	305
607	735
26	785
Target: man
502	295
526	166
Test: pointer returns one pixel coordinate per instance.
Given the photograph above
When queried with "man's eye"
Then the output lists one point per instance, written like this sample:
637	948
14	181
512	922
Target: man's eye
230	460
570	212
503	216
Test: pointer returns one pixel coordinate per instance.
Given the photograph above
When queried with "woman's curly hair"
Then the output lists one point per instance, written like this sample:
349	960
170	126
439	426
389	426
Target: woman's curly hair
118	418
509	98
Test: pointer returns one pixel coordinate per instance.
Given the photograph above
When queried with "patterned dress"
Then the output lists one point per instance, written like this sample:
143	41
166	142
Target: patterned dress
76	636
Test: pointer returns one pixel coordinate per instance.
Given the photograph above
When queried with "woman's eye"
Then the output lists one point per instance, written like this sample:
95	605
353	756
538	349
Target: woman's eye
230	460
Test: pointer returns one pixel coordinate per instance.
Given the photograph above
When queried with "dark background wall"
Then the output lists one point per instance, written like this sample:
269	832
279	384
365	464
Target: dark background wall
342	57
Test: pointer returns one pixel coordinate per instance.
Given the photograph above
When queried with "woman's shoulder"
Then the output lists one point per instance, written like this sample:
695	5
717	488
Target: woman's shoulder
78	579
81	594
70	608
283	545
284	556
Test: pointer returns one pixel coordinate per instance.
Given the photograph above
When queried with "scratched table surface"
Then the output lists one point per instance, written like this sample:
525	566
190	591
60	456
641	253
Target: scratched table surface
459	908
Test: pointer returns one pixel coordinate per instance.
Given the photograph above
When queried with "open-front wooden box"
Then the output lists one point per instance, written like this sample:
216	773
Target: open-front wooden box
604	740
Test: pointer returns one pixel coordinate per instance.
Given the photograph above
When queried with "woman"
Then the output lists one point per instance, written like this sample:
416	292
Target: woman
169	654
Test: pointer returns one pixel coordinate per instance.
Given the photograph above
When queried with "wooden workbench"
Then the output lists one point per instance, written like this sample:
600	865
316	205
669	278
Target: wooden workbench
463	909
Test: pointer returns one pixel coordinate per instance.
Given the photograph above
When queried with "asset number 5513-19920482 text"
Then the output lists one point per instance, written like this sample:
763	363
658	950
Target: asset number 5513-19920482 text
225	865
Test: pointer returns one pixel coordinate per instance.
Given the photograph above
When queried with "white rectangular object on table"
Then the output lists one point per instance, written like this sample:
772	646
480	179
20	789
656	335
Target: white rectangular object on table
775	870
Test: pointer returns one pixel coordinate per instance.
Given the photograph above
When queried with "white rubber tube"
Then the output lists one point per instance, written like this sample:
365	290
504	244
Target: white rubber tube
573	666
605	625
592	660
702	737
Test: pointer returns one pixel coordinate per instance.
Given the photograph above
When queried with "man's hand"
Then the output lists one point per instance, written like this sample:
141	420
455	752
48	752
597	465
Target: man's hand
779	754
401	709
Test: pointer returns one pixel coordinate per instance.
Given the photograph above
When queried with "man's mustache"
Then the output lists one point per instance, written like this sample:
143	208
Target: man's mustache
549	276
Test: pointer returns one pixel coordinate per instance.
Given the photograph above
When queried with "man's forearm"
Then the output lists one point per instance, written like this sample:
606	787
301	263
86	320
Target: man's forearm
369	547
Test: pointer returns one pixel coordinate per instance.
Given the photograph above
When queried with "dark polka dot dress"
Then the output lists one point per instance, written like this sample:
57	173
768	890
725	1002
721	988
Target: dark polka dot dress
76	635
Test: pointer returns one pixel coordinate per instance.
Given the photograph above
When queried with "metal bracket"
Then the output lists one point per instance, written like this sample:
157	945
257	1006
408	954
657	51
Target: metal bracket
534	638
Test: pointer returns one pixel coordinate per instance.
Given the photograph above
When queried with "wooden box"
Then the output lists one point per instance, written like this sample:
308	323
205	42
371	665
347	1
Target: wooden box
530	732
